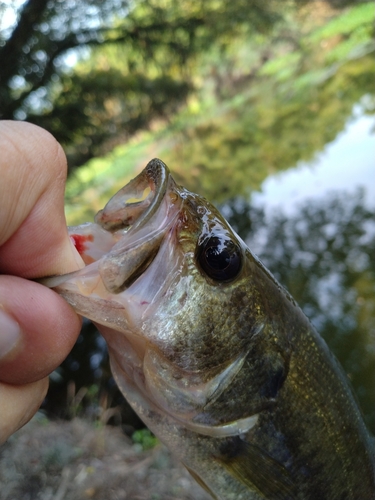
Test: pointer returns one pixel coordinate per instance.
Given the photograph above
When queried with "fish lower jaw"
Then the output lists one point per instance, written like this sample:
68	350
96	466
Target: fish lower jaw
241	426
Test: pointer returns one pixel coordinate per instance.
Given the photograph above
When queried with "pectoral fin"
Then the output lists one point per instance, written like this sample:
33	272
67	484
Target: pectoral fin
200	481
256	469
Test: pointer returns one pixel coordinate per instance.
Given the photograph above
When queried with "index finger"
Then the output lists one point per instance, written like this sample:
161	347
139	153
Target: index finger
34	240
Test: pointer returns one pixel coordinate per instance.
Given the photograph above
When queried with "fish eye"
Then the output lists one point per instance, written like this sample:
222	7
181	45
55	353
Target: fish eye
220	258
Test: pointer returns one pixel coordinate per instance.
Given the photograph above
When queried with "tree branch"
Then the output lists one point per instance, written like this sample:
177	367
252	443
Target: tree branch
74	40
31	15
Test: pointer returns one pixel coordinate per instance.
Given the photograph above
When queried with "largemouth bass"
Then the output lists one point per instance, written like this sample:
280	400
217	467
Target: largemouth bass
213	354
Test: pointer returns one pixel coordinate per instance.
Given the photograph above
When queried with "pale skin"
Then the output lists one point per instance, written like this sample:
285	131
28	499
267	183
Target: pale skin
37	327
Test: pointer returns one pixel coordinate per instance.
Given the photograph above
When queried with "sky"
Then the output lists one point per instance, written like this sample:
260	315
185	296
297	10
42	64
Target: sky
9	14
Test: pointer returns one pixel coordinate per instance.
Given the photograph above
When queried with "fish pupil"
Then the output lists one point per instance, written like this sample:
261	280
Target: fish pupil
220	258
217	259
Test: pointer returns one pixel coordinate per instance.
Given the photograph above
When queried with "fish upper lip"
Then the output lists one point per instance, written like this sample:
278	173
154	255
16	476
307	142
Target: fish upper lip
118	214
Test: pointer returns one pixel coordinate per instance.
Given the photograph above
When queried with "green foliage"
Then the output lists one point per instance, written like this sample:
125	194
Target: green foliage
144	438
347	23
32	50
287	110
107	103
135	62
90	187
282	67
270	107
347	36
275	127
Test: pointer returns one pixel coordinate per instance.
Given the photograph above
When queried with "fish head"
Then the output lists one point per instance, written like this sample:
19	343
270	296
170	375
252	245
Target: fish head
173	290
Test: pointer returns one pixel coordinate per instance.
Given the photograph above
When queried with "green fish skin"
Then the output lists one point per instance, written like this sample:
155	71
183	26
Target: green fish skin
213	354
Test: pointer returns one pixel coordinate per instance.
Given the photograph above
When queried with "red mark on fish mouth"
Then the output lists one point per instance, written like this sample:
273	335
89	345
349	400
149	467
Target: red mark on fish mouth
79	241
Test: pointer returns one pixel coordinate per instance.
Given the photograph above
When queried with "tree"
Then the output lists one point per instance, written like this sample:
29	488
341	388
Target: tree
77	102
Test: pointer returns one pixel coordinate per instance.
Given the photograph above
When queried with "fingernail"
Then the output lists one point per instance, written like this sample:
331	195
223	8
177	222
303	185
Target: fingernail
10	333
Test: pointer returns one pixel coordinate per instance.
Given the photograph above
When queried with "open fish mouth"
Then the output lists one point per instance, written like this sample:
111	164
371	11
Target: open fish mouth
126	235
130	253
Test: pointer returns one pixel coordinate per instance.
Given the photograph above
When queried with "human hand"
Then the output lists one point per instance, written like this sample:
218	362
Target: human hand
37	327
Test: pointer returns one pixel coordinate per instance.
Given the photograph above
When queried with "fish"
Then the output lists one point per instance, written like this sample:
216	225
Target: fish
212	353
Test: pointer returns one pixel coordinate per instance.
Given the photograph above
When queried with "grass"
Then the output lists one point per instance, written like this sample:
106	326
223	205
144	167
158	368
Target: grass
76	460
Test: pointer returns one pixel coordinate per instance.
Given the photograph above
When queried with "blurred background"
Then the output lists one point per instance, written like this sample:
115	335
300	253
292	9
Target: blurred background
265	108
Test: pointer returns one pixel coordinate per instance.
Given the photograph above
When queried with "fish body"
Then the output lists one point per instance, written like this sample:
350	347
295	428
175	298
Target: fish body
213	354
